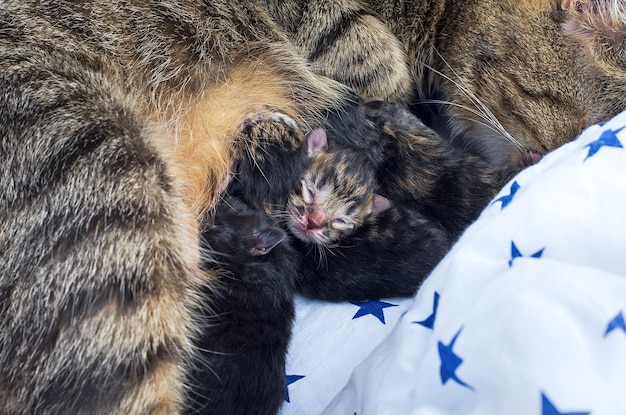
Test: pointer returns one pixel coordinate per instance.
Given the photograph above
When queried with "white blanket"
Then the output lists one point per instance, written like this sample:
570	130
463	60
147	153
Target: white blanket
525	315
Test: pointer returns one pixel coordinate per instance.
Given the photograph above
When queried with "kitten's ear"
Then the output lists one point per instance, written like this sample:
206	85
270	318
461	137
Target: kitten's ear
317	141
380	204
266	239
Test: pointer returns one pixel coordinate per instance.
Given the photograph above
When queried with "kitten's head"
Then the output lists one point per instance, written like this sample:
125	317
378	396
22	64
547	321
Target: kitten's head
336	195
242	232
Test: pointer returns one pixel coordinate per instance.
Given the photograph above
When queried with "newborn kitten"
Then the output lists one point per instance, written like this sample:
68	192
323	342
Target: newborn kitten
373	224
273	161
243	349
336	193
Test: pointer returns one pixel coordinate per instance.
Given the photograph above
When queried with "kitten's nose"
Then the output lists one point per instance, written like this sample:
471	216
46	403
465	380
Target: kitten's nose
316	219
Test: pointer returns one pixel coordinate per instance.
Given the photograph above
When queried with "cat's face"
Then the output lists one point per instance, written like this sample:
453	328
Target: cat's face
532	71
336	195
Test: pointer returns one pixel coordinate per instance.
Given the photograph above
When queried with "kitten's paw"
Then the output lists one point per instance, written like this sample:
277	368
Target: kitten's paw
268	116
272	126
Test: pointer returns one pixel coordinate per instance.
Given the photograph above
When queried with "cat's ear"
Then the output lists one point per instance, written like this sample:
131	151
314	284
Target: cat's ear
380	204
266	239
317	141
597	22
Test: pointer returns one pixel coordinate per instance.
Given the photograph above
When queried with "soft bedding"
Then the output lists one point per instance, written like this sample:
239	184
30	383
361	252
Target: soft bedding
525	315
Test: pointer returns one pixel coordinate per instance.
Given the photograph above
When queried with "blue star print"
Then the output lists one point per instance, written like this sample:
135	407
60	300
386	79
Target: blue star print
450	362
547	408
617	323
429	323
508	198
515	253
607	139
373	307
291	379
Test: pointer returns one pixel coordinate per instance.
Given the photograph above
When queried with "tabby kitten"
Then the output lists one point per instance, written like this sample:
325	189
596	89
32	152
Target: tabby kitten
376	228
119	123
242	350
336	193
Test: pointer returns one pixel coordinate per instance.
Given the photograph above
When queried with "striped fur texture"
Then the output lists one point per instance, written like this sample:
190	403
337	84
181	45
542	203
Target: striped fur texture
506	75
120	121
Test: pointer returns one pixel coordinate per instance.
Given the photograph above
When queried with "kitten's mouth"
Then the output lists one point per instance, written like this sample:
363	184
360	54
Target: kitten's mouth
308	228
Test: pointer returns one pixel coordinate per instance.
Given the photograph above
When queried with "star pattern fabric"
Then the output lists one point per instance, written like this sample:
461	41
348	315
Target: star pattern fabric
374	308
429	322
291	379
450	362
616	323
506	199
515	253
548	408
608	138
524	316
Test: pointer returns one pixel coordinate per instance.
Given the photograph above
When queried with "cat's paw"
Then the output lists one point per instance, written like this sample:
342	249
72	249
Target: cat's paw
268	117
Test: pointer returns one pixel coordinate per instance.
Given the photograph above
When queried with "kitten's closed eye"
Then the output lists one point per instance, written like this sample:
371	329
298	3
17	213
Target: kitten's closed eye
264	240
308	193
342	224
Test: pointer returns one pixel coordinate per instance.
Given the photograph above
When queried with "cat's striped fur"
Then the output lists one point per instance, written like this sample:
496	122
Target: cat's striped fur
117	125
511	74
118	122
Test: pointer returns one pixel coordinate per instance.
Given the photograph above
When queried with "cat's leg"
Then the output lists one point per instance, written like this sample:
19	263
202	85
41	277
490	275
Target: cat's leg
346	42
99	256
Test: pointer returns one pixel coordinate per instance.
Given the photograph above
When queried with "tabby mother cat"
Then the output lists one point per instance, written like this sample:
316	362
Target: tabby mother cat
504	75
118	125
118	122
535	71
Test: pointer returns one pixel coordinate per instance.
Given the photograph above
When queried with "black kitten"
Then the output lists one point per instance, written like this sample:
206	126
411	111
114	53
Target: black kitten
243	349
274	159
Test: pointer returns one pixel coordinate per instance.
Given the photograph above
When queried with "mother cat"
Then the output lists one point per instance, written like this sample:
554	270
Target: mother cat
109	107
118	124
506	74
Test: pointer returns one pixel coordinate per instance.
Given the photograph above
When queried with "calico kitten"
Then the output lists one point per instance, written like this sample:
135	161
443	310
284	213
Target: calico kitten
242	350
381	238
336	193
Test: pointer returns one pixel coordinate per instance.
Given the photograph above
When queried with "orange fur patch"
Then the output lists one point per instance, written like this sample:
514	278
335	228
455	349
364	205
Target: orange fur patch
201	143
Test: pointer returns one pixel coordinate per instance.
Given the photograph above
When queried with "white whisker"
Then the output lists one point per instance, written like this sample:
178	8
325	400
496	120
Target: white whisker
481	110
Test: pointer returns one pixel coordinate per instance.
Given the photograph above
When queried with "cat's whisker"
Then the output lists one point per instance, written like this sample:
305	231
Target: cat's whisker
483	111
487	123
322	255
257	165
